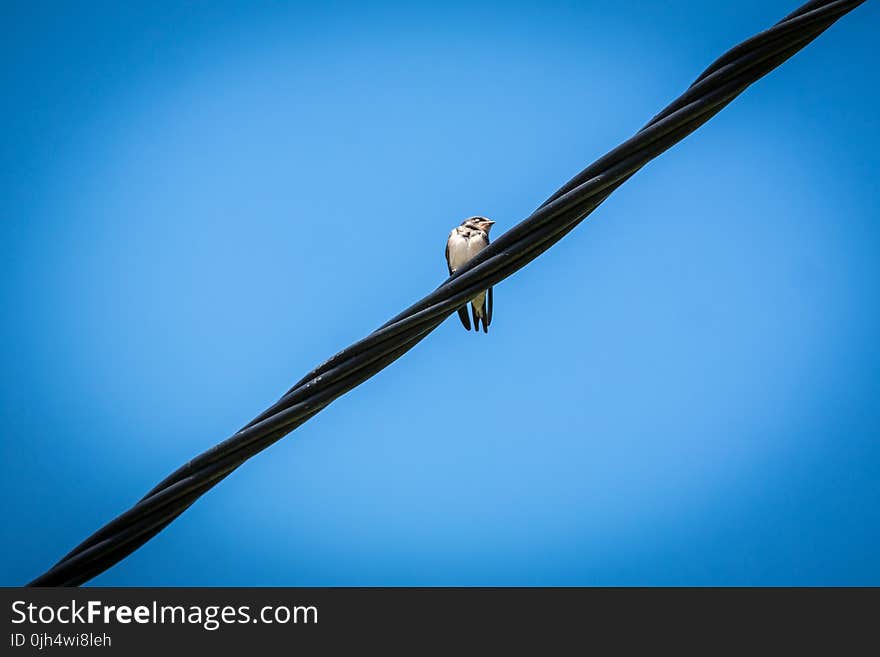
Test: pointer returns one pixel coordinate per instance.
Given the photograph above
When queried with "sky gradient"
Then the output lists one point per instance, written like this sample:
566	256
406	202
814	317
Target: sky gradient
202	201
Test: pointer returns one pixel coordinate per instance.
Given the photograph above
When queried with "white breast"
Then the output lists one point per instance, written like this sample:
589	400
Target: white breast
458	250
475	244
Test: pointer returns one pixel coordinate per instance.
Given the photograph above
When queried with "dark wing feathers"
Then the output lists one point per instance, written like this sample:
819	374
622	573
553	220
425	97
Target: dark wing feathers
489	308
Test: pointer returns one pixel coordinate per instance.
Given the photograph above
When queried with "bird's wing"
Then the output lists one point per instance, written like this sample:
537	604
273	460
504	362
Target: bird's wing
462	312
487	318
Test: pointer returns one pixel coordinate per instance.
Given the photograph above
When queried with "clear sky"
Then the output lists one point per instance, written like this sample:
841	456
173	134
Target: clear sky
202	201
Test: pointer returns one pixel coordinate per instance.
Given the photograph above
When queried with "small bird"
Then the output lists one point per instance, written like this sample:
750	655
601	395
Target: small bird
466	241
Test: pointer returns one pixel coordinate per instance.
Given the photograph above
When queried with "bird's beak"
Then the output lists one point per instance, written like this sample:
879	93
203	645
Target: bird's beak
488	224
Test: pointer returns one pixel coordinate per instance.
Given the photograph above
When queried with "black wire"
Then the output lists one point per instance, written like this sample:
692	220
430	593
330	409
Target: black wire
717	86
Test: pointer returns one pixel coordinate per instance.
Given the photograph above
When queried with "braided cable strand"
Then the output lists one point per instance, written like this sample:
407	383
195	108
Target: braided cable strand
717	86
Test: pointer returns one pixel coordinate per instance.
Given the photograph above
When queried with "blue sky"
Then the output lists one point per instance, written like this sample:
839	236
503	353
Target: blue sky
202	201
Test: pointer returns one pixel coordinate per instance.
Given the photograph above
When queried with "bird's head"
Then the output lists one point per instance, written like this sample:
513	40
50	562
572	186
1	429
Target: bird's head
478	223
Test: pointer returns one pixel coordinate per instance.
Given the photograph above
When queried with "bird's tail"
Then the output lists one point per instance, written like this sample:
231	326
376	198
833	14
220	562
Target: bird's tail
484	316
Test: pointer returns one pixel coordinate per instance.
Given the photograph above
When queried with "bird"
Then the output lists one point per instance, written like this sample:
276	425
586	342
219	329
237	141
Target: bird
465	241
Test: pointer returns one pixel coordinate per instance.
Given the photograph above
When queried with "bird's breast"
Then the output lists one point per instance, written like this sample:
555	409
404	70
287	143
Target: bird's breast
475	245
458	251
